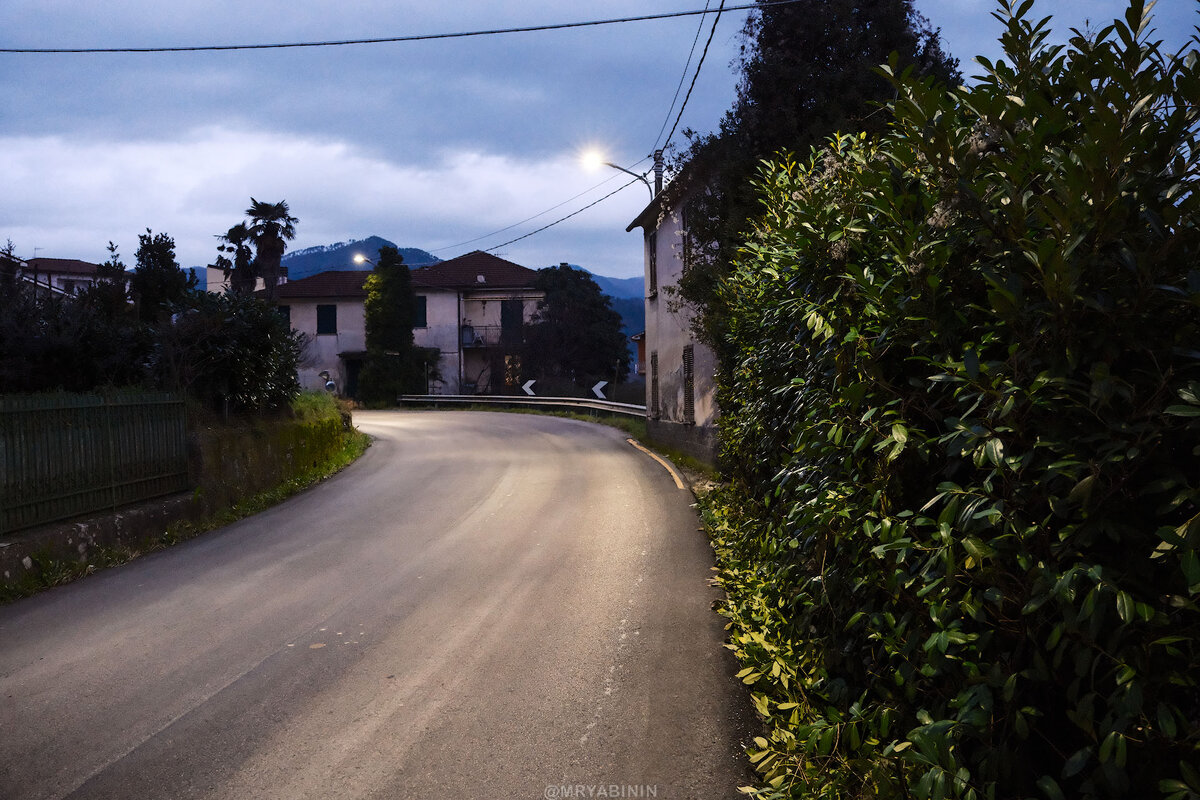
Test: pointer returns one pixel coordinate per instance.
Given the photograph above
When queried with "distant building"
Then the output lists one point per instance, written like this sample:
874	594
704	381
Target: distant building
473	309
681	406
328	308
58	275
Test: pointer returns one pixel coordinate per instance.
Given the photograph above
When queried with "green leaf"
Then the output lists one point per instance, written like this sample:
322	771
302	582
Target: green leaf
1076	762
1050	788
1125	606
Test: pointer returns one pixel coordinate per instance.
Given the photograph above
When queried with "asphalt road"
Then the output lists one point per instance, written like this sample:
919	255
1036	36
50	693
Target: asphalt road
483	606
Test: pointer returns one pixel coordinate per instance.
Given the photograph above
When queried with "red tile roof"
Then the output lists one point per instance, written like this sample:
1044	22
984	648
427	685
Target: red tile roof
65	266
341	283
464	272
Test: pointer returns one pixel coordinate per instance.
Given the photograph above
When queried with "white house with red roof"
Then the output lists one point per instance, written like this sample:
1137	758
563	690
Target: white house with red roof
59	275
473	309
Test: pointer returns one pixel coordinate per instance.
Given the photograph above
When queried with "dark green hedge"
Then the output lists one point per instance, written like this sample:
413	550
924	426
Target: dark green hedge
961	541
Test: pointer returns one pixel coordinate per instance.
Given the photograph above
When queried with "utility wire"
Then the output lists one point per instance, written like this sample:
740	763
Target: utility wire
695	75
392	39
682	77
686	97
563	219
535	216
700	64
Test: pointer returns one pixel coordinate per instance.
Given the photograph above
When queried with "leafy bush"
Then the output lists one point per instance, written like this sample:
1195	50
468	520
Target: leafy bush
229	351
962	547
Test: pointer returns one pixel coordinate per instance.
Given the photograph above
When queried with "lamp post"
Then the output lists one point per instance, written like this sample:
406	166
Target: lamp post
359	258
641	178
594	159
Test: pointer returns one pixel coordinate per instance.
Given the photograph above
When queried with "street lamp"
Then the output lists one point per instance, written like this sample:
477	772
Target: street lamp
592	160
359	258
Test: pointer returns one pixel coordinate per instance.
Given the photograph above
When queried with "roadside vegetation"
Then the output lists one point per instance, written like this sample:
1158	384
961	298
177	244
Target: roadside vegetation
255	439
961	420
234	502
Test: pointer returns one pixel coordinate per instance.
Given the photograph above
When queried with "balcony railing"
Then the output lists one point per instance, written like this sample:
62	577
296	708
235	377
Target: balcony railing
489	336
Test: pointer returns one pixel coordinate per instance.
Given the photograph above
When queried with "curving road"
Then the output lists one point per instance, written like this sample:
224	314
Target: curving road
484	606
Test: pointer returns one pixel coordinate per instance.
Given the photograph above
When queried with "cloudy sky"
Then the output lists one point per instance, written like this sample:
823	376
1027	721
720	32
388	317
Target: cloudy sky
448	145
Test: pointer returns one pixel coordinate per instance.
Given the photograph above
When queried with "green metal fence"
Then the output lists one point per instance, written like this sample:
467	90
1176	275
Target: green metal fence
64	455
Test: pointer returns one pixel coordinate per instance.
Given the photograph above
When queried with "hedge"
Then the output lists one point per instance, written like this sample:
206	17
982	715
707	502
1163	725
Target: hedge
960	544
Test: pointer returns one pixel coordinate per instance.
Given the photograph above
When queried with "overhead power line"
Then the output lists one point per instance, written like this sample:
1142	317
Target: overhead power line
564	219
687	64
696	75
394	39
535	216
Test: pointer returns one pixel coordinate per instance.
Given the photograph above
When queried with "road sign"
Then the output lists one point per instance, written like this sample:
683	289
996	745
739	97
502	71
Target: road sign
598	389
528	387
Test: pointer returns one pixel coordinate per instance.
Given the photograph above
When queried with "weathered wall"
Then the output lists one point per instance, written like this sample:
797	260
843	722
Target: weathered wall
227	465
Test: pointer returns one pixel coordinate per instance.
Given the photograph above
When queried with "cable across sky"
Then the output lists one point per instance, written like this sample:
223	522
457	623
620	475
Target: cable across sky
420	37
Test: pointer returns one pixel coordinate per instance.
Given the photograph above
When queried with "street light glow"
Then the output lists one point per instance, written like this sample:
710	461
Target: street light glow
359	258
592	160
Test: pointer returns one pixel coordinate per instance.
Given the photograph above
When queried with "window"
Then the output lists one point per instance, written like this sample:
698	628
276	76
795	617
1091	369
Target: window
689	385
420	320
654	385
286	313
326	319
652	282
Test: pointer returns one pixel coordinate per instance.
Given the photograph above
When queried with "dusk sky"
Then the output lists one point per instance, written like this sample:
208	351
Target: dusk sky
440	145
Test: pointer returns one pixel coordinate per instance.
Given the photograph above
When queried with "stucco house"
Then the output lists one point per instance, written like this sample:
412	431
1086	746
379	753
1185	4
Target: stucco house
328	308
473	309
60	275
681	407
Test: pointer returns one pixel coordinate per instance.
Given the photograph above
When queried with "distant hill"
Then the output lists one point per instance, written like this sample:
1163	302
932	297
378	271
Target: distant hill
340	257
628	300
621	287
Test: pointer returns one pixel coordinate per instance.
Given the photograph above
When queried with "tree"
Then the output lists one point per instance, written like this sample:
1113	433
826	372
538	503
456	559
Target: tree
271	227
239	270
575	334
8	269
808	69
109	294
157	281
230	351
393	366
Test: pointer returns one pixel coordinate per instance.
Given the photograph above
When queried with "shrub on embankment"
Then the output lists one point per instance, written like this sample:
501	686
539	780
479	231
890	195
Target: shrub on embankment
238	466
960	543
233	460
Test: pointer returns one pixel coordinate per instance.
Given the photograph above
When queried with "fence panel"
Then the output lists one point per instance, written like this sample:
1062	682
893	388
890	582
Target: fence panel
64	455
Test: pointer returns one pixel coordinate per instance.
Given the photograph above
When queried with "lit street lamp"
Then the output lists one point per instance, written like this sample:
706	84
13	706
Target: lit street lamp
593	160
359	258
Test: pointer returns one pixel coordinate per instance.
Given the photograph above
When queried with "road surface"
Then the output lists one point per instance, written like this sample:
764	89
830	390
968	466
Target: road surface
483	606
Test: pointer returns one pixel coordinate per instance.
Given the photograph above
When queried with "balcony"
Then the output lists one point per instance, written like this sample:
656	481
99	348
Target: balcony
484	336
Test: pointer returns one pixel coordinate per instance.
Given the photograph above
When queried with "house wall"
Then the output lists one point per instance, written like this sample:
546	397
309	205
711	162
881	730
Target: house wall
323	350
481	309
66	282
668	333
441	331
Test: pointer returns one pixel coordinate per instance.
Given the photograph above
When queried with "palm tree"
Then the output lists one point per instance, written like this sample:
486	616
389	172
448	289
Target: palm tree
270	226
240	270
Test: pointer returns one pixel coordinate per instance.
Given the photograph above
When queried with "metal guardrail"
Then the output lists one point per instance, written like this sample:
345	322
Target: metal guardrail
507	401
65	455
